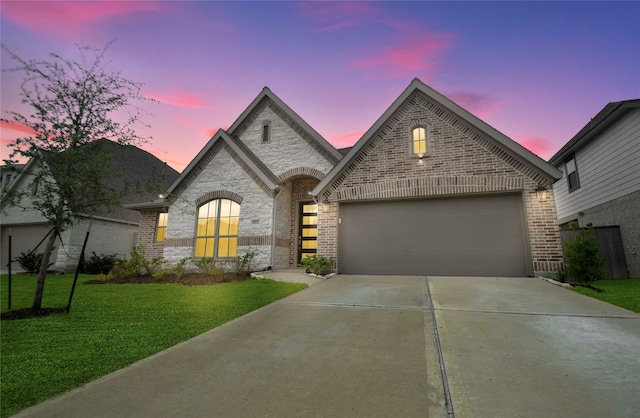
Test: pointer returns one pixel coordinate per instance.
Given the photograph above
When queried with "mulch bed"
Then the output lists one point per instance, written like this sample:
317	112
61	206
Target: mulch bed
192	279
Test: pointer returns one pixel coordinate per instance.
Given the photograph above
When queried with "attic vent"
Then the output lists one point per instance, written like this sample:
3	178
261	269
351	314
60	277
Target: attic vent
266	134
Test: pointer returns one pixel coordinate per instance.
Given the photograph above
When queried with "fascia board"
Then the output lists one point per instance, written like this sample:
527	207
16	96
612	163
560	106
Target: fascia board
194	162
510	145
580	141
355	150
156	204
316	136
247	160
266	92
519	151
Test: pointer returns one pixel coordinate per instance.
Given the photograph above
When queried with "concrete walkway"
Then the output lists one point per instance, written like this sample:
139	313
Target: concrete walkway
366	346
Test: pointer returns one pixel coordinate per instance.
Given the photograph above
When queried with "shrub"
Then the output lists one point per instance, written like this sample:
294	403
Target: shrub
317	264
137	264
103	278
159	275
208	265
583	263
30	261
151	267
242	264
179	268
99	264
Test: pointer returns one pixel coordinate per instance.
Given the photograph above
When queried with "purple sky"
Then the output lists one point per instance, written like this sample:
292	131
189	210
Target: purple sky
536	71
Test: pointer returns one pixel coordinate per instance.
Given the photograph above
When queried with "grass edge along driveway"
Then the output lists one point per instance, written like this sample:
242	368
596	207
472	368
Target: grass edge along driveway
110	326
624	293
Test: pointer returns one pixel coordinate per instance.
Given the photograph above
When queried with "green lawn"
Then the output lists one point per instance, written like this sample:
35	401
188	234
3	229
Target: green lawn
623	293
110	326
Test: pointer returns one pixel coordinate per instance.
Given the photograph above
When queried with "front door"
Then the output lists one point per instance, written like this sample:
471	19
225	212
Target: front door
308	230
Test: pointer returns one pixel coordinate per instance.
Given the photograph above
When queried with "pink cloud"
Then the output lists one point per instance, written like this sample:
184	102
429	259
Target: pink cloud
539	146
336	15
70	19
209	133
184	121
18	127
179	98
481	106
346	140
416	54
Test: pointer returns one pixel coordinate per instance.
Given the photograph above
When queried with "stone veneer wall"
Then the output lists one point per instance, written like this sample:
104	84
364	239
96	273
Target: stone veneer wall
460	161
224	176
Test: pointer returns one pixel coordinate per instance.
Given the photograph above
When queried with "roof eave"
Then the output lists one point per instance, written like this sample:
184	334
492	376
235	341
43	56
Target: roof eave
547	170
583	138
156	204
266	92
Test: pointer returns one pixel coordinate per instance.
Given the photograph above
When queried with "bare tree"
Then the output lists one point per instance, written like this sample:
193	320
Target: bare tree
74	107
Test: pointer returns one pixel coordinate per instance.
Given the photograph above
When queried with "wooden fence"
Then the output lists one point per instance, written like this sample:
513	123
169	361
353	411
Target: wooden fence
611	249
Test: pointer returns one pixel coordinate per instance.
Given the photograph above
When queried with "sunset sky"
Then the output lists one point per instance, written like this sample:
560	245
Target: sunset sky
536	71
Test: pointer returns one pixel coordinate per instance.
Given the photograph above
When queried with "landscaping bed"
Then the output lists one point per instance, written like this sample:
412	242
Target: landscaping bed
192	279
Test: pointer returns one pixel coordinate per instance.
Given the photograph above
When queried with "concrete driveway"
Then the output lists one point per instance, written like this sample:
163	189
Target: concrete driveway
367	346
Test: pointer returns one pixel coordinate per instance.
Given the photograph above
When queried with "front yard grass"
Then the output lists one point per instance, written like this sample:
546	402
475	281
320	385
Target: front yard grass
109	327
624	293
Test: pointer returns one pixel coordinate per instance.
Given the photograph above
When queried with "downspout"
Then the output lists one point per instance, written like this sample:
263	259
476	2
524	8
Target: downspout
273	226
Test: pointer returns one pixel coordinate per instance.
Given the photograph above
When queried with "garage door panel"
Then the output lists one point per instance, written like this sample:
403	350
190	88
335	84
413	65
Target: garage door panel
481	235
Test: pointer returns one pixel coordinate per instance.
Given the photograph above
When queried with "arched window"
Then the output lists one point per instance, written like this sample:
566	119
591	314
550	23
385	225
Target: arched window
419	141
217	230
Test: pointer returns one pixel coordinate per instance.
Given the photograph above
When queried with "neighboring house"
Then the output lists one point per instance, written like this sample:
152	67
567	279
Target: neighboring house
112	232
601	176
428	190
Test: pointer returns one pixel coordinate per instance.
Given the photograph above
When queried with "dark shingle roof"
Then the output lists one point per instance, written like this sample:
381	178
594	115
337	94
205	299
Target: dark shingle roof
599	122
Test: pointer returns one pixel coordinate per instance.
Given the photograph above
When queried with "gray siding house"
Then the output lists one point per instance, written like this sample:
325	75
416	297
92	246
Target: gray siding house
601	176
112	232
429	189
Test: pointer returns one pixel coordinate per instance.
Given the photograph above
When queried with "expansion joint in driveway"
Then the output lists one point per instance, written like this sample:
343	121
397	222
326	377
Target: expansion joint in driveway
438	346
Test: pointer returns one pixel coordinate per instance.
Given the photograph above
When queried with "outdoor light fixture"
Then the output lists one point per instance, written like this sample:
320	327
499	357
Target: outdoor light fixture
541	193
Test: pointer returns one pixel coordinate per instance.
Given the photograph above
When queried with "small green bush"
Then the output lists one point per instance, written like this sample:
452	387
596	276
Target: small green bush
317	264
209	266
98	264
151	267
137	264
242	264
583	263
180	267
30	262
104	278
159	275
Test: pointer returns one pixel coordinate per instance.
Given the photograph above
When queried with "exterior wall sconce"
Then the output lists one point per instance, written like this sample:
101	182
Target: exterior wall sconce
541	193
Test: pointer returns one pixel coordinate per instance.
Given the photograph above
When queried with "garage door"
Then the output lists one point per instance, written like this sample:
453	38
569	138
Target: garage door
470	236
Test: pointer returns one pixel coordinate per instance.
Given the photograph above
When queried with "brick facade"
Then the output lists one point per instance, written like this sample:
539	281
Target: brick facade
461	161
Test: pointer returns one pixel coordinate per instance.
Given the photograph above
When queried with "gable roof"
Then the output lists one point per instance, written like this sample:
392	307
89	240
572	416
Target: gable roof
132	165
231	139
608	115
312	136
506	143
261	172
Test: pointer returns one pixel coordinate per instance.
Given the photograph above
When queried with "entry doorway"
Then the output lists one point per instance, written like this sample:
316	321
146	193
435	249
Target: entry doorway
308	230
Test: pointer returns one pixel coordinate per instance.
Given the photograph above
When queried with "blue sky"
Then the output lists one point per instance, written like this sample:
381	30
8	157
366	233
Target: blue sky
536	71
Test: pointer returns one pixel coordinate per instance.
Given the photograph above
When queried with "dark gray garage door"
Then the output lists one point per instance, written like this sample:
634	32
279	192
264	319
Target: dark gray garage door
470	236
